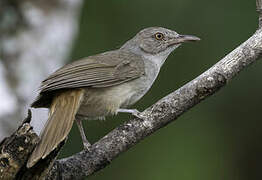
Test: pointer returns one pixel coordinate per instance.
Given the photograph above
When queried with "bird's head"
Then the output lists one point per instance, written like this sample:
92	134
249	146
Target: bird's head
157	41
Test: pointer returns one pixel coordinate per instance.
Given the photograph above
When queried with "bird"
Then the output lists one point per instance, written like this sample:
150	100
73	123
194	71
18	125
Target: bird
101	85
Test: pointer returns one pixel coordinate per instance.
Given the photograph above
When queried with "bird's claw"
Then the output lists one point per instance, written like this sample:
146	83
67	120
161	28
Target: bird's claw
87	146
137	114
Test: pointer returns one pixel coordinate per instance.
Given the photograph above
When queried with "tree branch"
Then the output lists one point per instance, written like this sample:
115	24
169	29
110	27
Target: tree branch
131	132
259	10
161	113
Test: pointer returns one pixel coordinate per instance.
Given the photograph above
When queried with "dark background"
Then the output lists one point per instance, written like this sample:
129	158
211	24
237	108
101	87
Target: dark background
218	139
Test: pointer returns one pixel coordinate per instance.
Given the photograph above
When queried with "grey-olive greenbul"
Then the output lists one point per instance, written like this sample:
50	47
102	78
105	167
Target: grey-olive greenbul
101	85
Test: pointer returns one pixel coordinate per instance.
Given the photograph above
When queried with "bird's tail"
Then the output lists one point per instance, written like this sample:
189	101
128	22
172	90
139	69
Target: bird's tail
61	117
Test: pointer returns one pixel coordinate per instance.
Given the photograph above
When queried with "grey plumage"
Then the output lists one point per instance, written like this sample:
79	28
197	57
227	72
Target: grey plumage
102	70
102	85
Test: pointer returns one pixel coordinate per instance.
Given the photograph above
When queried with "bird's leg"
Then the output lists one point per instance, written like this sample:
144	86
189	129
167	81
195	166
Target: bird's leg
134	112
82	133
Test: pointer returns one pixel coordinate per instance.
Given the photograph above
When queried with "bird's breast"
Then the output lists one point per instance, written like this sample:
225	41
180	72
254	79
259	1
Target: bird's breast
142	85
99	102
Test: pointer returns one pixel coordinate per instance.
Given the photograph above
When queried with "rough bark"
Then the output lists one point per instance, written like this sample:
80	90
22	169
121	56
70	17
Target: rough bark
161	113
157	116
16	149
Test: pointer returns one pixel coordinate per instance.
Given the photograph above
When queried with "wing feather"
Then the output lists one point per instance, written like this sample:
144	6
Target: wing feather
102	70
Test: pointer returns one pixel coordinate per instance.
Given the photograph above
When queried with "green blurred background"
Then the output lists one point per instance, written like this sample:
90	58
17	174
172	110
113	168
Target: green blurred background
218	139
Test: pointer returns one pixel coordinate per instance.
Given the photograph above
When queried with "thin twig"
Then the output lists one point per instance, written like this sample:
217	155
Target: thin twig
259	10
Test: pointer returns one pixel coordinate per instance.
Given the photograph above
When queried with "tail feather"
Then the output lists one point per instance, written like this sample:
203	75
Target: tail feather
61	117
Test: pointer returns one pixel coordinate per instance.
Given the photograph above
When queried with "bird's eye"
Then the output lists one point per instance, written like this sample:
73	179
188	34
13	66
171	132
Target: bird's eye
159	36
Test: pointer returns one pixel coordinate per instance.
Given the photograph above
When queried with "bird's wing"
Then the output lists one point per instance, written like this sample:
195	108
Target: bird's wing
102	70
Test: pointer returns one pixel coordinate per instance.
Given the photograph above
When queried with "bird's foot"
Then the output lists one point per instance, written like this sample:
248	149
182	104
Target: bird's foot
137	114
86	145
134	112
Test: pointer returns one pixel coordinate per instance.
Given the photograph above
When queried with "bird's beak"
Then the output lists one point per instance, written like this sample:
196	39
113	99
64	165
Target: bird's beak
184	38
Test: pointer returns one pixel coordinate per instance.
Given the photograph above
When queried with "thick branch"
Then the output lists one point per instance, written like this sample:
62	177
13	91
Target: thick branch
15	151
160	114
13	155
